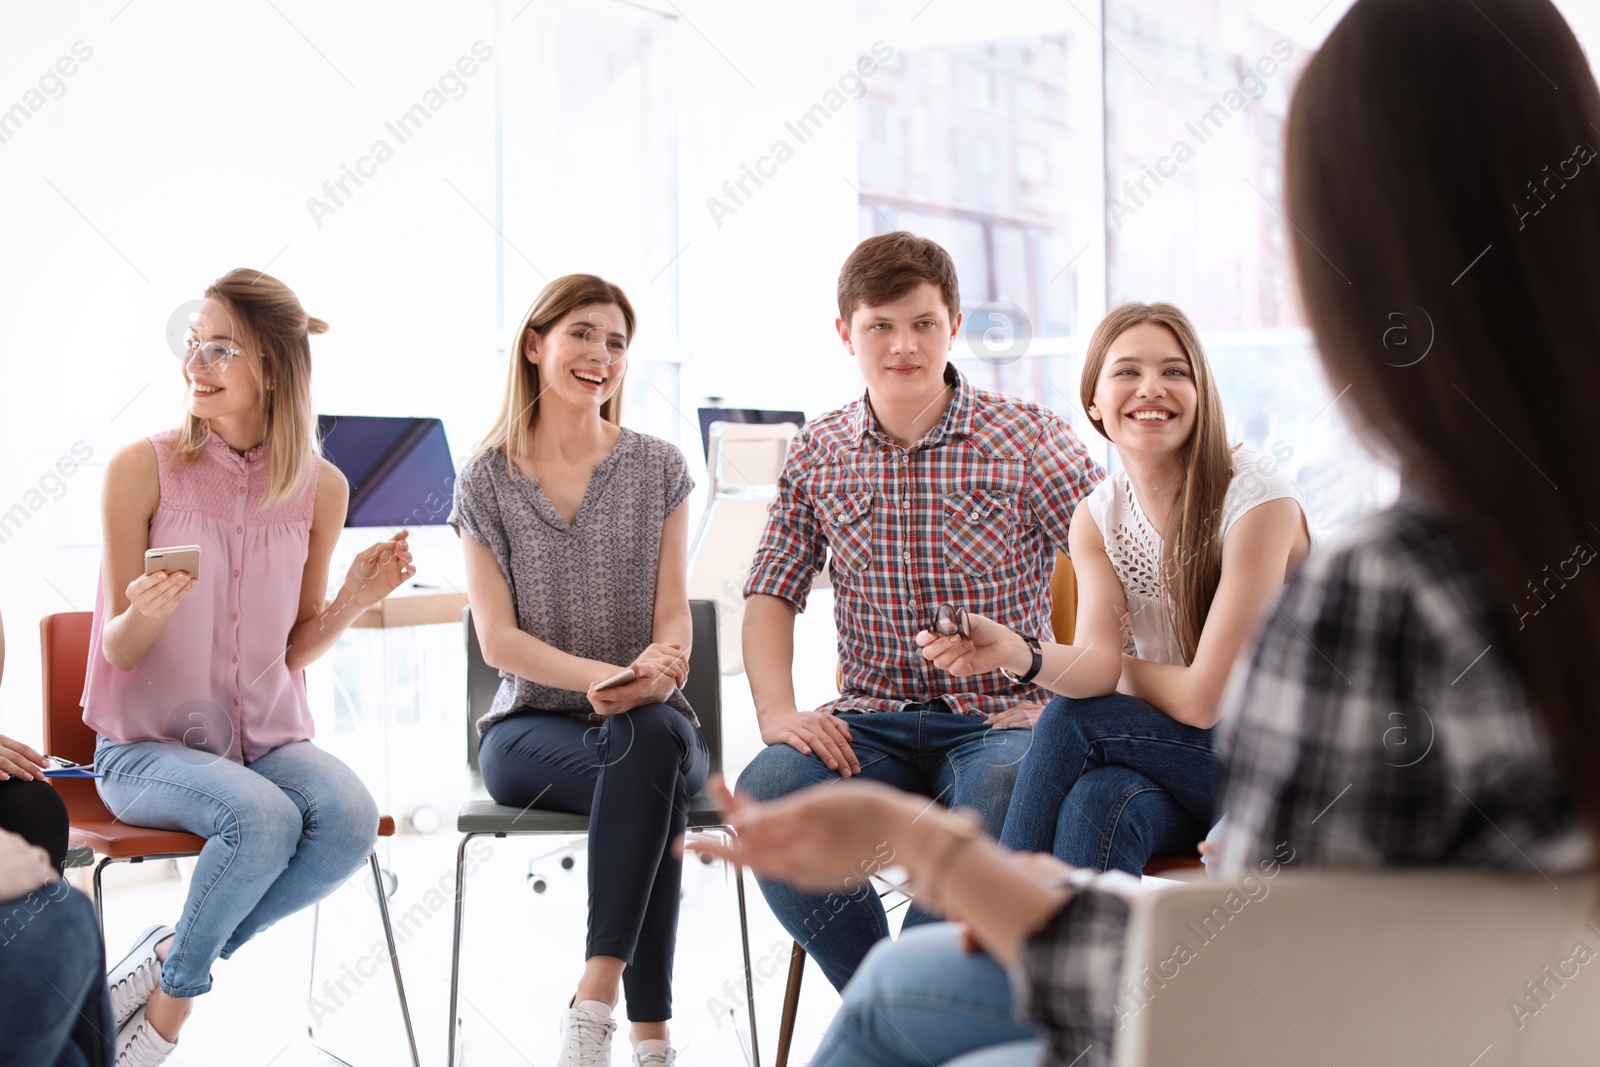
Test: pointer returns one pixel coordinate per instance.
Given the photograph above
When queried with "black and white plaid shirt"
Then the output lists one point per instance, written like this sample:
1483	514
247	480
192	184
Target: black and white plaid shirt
1377	724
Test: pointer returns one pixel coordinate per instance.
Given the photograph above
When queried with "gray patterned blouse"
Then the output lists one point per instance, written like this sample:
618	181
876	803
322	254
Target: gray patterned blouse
589	588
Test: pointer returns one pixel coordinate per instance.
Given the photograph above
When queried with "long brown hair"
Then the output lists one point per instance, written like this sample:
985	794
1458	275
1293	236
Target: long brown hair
1441	168
1191	562
512	432
275	333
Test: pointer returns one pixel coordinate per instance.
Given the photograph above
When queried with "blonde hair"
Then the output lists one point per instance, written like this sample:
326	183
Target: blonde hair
1192	554
274	330
512	431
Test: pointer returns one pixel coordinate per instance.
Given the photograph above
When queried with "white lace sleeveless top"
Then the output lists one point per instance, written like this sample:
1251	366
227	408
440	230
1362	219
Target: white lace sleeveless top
1135	547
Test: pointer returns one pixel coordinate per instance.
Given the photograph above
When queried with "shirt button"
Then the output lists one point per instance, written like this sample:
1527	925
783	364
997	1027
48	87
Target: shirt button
906	556
238	529
973	515
236	618
241	490
236	574
236	659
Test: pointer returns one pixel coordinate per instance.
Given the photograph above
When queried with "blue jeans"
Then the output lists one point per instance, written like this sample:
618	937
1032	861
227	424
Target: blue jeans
634	775
1011	1054
281	834
959	760
921	1000
1111	781
54	1007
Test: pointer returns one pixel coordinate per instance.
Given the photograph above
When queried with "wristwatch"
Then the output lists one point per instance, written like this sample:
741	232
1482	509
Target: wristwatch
1033	669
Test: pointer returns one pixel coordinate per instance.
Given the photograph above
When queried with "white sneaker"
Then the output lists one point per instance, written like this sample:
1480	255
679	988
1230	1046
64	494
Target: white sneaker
654	1054
586	1030
138	1044
133	980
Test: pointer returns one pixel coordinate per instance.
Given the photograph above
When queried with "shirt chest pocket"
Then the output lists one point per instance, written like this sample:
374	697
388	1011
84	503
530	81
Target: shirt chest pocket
847	520
979	525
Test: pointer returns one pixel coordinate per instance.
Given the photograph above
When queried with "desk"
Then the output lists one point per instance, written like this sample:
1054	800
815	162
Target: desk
389	703
412	609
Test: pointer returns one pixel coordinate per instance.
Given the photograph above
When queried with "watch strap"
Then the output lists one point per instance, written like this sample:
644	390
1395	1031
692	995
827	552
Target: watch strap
1034	667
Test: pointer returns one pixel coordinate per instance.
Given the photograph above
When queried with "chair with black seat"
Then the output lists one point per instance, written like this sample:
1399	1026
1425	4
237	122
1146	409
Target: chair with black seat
482	817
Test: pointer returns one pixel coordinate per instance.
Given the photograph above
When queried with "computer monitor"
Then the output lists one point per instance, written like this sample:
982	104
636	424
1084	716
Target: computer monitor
399	469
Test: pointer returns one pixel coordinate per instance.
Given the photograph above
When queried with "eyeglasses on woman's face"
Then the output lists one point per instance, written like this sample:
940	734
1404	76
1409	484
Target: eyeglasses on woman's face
208	355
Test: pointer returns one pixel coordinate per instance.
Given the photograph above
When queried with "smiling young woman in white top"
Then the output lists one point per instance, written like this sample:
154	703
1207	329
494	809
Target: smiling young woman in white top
1177	556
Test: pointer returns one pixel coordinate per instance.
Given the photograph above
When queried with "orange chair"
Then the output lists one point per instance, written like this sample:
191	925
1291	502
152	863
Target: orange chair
64	647
1063	623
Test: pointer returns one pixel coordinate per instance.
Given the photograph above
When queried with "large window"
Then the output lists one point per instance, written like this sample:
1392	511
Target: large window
1197	95
987	147
993	148
588	142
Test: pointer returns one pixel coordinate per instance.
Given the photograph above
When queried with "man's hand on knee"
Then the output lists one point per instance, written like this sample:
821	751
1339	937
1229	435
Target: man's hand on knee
1025	714
813	733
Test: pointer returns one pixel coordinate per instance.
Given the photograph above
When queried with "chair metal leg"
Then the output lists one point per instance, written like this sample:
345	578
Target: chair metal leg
791	1002
311	972
749	981
394	956
455	944
394	962
99	898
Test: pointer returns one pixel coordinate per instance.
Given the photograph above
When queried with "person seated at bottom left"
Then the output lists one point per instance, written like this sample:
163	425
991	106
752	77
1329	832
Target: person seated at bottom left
576	543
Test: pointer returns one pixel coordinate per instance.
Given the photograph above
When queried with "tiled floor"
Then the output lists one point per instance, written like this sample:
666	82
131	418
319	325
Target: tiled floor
522	952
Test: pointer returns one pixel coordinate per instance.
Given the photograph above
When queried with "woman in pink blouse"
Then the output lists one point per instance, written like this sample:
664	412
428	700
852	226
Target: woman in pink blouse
195	681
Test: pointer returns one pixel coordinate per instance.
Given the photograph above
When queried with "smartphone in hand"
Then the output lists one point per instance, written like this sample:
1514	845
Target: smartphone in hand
184	558
622	677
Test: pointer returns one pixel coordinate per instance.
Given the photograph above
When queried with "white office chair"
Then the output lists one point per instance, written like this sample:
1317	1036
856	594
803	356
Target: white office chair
744	461
1436	967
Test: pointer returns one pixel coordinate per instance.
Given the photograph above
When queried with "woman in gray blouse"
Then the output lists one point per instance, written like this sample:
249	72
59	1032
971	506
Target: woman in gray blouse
576	544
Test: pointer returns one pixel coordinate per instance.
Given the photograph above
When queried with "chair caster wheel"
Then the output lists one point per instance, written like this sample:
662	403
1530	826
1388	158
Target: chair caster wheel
538	882
391	884
567	863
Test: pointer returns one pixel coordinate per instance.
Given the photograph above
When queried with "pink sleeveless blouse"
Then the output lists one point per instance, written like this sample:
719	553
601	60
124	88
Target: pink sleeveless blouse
215	679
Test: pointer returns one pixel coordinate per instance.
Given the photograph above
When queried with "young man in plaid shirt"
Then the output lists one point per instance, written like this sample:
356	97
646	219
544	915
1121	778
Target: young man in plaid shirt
924	492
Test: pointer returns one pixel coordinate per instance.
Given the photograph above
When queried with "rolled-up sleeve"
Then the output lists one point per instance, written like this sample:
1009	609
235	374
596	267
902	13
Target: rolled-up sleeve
792	549
1066	980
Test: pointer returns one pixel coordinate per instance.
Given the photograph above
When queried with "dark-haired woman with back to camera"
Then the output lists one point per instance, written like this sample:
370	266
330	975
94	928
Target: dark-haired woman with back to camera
195	682
1412	137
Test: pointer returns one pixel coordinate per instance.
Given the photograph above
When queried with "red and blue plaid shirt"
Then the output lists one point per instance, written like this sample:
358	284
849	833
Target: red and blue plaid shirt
971	515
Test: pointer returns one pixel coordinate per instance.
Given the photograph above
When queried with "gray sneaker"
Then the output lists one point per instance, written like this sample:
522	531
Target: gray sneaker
133	980
654	1054
586	1030
138	1044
